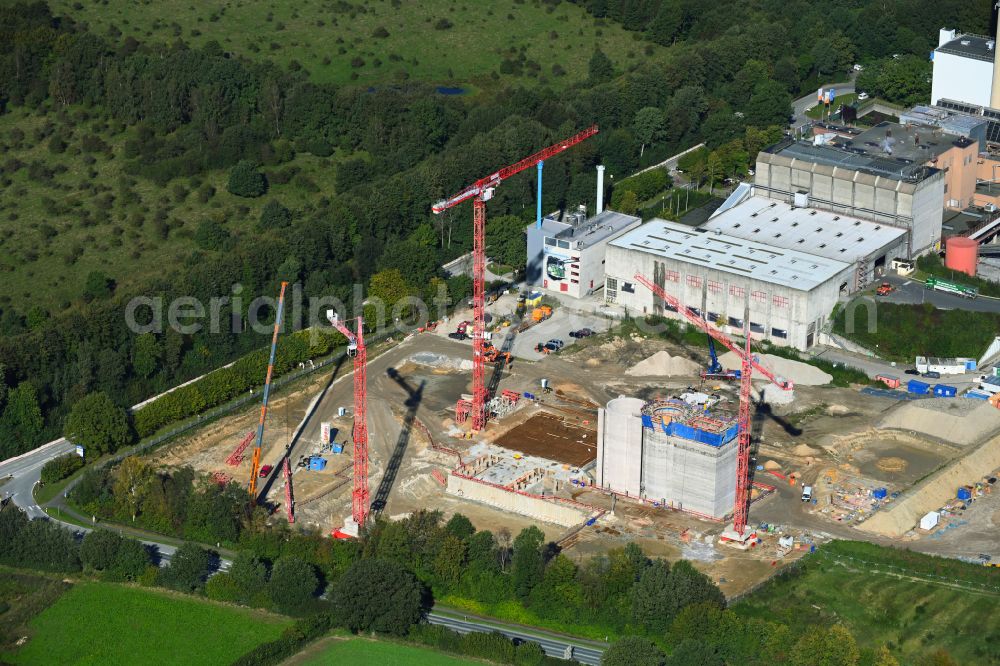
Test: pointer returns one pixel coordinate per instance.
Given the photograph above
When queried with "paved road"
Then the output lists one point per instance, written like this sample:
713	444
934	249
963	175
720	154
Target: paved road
554	645
26	470
909	291
802	104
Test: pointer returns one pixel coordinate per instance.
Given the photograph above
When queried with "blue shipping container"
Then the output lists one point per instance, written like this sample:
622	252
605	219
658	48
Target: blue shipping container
977	395
317	464
337	448
964	494
945	391
918	387
880	493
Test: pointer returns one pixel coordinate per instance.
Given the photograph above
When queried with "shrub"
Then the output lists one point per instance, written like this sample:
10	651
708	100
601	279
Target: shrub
60	468
246	181
274	216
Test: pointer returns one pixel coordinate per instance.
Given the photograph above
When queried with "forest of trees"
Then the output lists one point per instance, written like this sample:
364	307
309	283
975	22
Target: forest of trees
732	71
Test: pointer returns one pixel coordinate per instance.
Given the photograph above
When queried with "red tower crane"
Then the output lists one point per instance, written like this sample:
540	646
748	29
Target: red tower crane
359	496
255	465
480	192
741	508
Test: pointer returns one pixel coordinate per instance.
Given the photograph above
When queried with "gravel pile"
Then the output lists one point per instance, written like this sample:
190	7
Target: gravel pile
800	373
662	364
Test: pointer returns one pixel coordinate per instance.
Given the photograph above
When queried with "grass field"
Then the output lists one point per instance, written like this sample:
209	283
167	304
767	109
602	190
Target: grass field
22	597
340	42
908	615
361	652
101	623
88	217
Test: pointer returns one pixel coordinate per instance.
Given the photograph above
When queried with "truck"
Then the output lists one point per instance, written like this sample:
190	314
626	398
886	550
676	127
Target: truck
884	289
949	287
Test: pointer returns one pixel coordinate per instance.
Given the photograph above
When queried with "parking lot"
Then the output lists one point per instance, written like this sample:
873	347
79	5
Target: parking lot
557	326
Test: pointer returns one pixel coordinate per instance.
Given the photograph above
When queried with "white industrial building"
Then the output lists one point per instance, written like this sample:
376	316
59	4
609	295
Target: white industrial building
790	293
567	255
668	453
963	69
869	246
881	184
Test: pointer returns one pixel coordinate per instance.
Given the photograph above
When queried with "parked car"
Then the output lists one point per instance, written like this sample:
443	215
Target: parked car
859	68
911	371
582	333
556	342
932	374
862	96
265	470
457	335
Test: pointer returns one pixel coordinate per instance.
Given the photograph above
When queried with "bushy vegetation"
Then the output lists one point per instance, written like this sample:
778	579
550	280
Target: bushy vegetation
37	544
903	332
60	468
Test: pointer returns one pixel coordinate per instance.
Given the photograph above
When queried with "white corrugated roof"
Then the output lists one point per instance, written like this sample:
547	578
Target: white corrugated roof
730	254
817	232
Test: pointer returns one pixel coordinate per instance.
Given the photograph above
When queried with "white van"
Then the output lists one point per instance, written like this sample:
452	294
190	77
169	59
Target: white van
807	493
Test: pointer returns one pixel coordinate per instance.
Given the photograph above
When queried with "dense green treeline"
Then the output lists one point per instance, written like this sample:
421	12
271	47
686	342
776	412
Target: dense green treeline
171	115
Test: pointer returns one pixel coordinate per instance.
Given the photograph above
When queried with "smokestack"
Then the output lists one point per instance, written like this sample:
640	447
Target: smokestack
995	93
600	189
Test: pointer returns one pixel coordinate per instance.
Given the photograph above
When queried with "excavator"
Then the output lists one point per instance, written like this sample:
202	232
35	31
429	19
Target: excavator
715	371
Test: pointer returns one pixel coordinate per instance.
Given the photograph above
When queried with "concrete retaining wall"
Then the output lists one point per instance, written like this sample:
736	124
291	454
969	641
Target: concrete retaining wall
930	495
539	509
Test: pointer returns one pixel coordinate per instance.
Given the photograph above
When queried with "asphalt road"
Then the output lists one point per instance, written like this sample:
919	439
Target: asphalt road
26	470
802	104
910	291
553	645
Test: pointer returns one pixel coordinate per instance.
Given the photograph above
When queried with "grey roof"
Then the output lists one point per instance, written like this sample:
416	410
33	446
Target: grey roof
969	46
594	230
816	232
718	251
948	120
857	155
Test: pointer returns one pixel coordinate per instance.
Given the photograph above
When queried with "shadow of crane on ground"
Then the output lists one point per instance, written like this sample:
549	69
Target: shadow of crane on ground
413	398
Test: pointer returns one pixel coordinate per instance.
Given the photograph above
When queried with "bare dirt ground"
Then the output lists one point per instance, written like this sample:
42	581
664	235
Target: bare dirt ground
412	389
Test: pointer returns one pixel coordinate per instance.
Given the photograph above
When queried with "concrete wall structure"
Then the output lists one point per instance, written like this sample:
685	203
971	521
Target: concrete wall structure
549	511
913	201
689	475
619	445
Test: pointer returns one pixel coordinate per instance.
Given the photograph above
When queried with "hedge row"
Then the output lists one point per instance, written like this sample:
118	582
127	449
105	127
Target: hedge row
645	186
227	383
59	468
290	642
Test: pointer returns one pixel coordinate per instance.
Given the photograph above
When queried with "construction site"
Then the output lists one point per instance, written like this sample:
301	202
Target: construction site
733	461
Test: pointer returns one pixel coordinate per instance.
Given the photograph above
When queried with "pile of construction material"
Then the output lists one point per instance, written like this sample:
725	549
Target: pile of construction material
662	364
955	420
440	361
801	374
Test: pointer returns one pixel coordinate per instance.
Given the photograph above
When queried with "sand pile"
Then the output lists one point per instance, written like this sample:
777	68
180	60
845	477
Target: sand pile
805	450
662	364
957	420
798	372
440	361
775	395
771	465
891	464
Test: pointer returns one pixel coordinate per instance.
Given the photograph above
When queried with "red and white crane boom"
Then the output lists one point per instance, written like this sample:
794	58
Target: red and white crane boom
480	192
741	506
356	349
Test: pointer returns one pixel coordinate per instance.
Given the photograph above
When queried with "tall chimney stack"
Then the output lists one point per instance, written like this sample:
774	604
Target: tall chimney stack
995	92
600	189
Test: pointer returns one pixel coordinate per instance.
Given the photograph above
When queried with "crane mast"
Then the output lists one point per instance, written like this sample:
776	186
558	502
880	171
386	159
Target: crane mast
356	349
255	464
741	506
480	192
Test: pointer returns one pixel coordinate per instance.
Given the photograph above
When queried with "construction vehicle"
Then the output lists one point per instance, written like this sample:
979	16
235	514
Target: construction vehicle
715	369
884	289
479	192
937	284
491	354
541	313
461	331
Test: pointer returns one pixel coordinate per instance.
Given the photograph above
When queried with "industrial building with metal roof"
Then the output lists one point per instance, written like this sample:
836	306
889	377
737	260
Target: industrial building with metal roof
789	293
843	238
